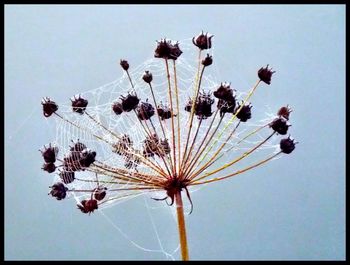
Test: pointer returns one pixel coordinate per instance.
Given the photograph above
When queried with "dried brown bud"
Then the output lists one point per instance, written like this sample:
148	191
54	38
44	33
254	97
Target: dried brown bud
284	112
124	64
147	77
208	60
202	41
79	104
49	106
287	145
265	74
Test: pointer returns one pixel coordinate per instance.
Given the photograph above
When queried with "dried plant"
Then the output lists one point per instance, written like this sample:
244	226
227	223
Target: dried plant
175	151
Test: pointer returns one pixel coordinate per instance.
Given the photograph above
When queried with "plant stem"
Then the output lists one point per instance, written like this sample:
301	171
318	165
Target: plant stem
181	226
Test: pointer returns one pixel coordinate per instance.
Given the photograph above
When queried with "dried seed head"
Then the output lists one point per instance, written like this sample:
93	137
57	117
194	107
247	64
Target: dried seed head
79	104
130	102
164	112
88	206
265	74
203	105
117	108
166	50
87	157
124	64
245	113
145	111
284	112
202	41
287	145
49	106
100	193
208	60
49	167
147	77
280	125
225	92
58	190
49	154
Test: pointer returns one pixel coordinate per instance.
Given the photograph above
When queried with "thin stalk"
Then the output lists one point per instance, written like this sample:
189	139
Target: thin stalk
187	159
232	162
181	226
210	162
172	117
233	117
198	84
195	159
237	172
178	116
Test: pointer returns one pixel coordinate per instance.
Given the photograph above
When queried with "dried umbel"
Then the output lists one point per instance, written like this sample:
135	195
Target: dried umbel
159	132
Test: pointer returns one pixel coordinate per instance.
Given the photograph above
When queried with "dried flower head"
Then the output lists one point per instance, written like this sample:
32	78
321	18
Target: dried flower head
244	112
49	153
147	77
58	190
145	111
130	101
49	167
49	106
208	60
284	112
88	206
280	125
117	108
124	64
202	41
265	74
145	146
287	145
166	50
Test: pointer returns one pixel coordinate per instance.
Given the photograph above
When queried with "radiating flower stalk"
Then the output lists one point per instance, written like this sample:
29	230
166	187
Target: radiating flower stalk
172	156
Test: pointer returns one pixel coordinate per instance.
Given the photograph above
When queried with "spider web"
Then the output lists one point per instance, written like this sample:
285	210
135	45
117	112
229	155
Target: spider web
88	130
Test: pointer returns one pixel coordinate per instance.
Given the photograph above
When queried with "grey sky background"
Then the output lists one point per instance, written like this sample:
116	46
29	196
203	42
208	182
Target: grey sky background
290	209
